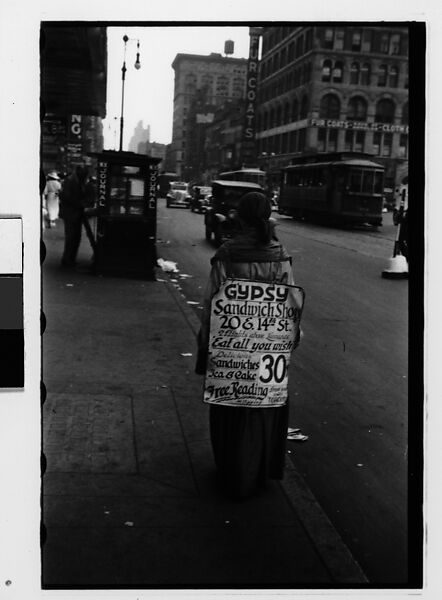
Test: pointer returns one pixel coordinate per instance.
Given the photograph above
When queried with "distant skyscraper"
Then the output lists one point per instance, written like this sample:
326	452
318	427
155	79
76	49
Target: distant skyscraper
222	79
140	135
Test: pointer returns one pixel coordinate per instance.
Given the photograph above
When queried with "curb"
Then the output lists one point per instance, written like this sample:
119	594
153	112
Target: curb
331	549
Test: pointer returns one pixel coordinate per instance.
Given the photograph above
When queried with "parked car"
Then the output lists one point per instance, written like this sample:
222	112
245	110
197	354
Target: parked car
200	198
220	218
178	194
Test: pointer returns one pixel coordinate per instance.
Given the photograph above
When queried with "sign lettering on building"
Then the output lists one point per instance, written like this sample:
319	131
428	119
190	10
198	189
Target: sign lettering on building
359	125
75	140
249	144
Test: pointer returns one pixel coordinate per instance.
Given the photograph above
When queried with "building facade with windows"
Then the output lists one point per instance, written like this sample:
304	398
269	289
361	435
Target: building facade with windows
219	78
334	88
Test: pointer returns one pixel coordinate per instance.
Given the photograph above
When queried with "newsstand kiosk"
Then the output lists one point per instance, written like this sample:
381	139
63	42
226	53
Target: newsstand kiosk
126	214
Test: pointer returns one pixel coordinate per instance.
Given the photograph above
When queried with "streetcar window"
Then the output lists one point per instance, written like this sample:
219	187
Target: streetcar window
367	182
355	180
378	182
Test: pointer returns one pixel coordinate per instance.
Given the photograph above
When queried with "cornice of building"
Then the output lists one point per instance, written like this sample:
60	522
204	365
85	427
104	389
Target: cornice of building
210	58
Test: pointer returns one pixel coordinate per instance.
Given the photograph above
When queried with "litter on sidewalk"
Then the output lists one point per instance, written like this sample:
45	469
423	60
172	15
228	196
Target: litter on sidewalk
168	266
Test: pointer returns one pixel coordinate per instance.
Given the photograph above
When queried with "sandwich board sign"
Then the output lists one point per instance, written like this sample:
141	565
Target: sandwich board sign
254	327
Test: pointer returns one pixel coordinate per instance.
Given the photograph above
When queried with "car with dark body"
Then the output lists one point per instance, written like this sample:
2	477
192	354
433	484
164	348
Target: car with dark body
178	194
220	218
200	198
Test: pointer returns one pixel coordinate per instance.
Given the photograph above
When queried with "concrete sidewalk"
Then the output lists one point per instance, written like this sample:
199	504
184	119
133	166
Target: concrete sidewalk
130	497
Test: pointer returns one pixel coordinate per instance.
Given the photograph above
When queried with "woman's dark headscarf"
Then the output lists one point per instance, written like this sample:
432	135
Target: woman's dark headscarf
255	210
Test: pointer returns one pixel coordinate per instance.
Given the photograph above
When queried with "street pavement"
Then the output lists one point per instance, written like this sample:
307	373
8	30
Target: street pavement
130	497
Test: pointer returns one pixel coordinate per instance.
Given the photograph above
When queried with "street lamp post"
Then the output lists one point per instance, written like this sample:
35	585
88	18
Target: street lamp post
137	65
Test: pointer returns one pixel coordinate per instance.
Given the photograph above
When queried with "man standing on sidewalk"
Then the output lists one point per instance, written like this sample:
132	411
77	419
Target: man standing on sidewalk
74	197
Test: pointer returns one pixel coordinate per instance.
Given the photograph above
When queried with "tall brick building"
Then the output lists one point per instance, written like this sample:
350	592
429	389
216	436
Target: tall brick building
326	88
219	78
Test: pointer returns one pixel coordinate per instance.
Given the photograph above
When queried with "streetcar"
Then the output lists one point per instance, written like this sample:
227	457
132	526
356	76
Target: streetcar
334	187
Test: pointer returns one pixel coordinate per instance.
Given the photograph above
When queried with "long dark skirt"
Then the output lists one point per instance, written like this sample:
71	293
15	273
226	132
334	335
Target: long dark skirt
248	445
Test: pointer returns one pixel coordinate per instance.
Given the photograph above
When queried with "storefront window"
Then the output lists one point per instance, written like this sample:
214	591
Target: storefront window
387	143
403	145
321	139
332	145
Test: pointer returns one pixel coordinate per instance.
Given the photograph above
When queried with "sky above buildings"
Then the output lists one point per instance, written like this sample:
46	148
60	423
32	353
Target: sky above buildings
148	93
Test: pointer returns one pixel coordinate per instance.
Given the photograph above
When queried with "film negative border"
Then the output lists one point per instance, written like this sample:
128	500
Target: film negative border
12	366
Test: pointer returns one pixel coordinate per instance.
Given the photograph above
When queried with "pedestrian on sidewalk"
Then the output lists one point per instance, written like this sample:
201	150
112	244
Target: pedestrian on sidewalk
51	199
248	443
74	196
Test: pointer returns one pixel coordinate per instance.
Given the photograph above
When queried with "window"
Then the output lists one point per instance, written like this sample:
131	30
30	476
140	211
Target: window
354	73
357	109
387	144
287	113
382	143
377	139
327	140
403	145
354	141
330	107
295	110
337	72
393	77
367	40
356	40
406	78
222	86
328	38
271	118
365	74
304	108
238	87
284	143
385	111
322	139
279	116
293	141
291	51
383	43
207	81
302	138
404	118
382	76
339	39
395	43
326	70
308	40
300	46
332	145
